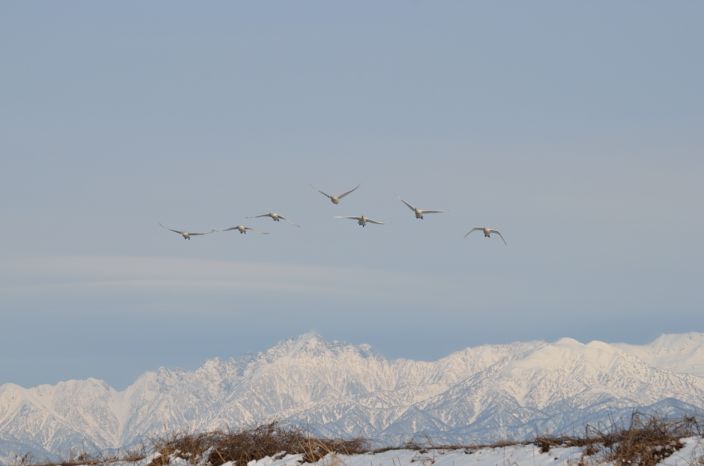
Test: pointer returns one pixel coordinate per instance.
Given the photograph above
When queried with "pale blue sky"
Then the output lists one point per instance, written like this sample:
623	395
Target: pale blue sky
574	127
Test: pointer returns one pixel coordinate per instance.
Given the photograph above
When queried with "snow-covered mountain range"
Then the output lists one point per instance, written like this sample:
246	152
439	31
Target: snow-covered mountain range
479	394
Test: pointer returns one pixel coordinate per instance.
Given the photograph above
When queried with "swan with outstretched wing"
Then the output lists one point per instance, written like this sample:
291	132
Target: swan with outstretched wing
336	198
487	233
420	212
362	220
276	217
243	229
186	234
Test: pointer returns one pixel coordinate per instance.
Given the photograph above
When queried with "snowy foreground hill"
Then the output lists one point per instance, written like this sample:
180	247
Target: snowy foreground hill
692	453
479	394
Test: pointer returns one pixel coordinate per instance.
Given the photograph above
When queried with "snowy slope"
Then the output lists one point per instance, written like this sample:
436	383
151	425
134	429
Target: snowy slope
678	353
691	453
478	394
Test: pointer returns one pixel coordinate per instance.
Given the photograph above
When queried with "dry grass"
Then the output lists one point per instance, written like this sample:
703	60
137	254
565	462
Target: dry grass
646	441
84	459
649	440
246	445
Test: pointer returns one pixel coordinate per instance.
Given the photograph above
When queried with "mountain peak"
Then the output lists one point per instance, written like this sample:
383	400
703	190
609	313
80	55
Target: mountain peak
679	339
679	352
311	338
568	342
313	345
309	343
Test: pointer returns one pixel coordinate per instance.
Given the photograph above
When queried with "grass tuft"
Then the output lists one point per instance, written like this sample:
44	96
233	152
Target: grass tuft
246	445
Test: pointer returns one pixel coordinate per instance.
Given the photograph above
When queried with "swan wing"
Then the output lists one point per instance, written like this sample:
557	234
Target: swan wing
408	205
321	192
171	229
473	229
500	236
347	192
289	221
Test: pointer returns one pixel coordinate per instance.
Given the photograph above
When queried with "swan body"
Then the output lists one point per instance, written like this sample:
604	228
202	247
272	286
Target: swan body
275	217
336	198
243	229
362	220
186	234
487	232
420	212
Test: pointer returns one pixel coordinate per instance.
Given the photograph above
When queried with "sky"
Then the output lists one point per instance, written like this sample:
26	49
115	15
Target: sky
575	128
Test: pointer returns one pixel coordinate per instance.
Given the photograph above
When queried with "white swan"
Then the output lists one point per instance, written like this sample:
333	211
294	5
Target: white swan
335	199
186	234
420	212
487	232
362	220
276	217
243	229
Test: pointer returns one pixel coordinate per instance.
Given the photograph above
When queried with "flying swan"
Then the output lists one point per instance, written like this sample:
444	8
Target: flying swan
335	199
362	220
487	232
276	217
243	229
419	212
186	234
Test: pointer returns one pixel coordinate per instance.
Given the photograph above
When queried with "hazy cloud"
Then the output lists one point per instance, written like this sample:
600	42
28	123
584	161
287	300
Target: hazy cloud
49	273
